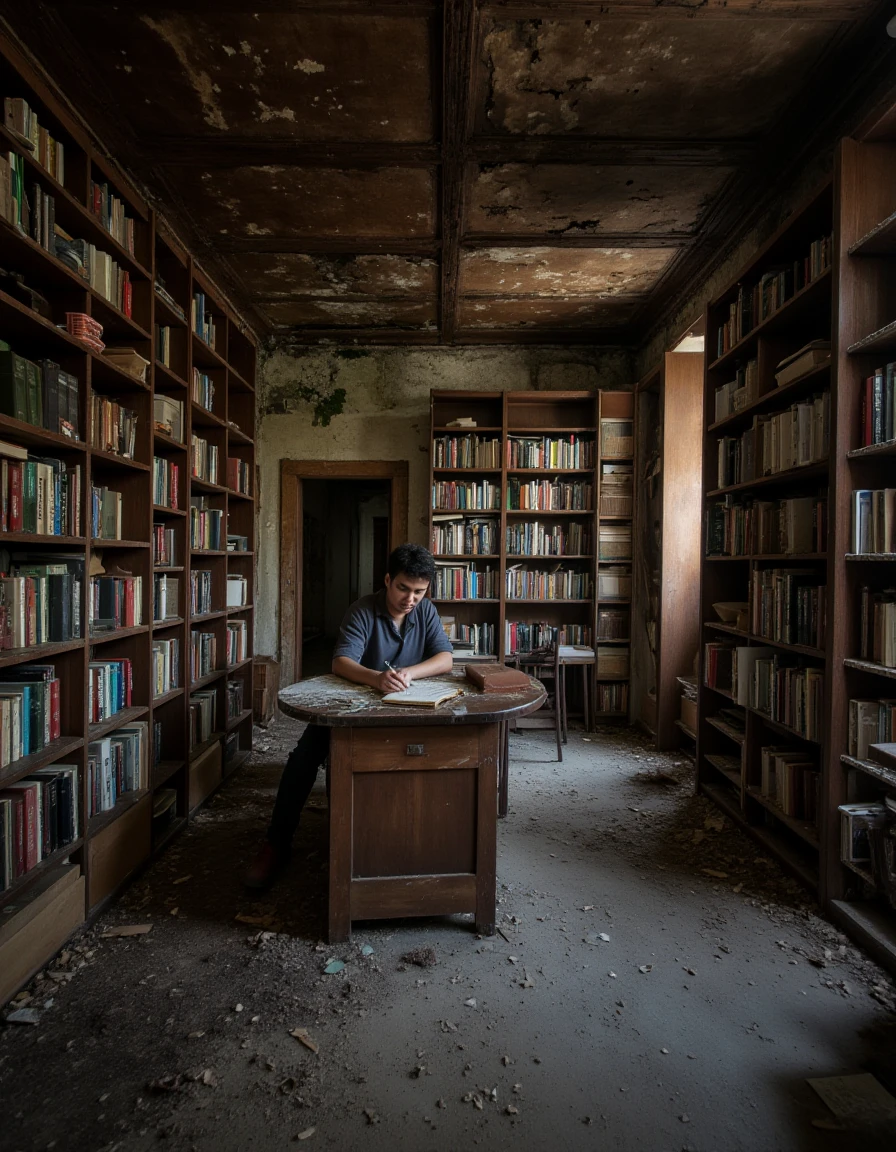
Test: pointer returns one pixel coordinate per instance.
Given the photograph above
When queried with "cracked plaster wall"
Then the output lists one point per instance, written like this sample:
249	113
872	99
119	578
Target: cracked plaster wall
386	417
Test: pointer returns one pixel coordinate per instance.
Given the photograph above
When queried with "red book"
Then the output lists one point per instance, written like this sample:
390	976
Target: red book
30	611
15	497
18	830
30	794
129	603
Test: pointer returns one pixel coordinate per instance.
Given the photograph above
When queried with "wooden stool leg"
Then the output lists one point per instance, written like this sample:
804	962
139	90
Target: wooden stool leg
339	922
486	846
563	698
504	770
586	694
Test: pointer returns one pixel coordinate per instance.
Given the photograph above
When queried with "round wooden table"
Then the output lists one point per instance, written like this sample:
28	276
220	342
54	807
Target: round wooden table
413	794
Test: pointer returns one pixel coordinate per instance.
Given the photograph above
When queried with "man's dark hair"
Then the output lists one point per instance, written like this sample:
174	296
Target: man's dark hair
412	559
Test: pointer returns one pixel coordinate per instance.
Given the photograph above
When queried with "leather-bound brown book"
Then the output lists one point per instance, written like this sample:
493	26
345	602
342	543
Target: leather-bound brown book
495	677
884	754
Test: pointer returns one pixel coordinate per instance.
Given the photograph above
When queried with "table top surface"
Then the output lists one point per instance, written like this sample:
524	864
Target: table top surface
337	703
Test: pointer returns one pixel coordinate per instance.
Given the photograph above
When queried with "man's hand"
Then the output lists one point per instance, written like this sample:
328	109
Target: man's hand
393	680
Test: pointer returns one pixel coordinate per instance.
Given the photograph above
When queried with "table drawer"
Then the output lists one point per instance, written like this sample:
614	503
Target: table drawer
414	749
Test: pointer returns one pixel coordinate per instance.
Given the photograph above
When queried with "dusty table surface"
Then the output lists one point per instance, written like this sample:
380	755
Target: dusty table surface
337	703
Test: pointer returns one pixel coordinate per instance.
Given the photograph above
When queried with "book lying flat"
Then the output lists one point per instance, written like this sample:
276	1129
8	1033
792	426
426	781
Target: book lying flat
424	694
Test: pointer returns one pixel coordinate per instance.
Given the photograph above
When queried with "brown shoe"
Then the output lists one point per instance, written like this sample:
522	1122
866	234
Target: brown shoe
265	868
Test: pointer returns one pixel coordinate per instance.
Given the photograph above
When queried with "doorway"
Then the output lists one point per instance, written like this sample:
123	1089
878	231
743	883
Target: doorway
339	521
345	538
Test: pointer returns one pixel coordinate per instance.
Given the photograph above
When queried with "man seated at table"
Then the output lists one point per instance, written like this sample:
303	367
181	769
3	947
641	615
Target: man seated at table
394	626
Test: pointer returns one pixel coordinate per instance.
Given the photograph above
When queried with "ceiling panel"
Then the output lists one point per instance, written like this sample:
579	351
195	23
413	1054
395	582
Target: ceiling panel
648	78
476	312
352	313
299	274
563	271
581	199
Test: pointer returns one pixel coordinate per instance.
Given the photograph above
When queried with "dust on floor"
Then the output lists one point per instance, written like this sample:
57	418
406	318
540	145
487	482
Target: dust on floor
656	983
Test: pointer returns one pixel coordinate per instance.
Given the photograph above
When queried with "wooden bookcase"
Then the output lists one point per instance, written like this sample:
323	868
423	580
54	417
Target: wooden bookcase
502	418
666	635
732	735
41	907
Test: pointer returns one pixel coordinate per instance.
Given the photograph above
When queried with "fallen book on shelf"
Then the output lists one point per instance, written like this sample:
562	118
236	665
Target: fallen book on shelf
805	360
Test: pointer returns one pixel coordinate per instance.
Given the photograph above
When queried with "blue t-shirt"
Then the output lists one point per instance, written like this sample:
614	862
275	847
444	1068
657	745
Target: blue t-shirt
370	636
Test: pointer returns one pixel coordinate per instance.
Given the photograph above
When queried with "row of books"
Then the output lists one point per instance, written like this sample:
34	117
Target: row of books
755	303
464	536
201	319
110	211
203	716
466	452
477	639
238	475
203	390
22	121
101	272
165	482
788	605
570	451
877	639
873	521
561	584
105	513
40	602
165	597
529	538
164	545
864	839
791	780
870	722
113	428
793	526
165	665
237	591
465	582
738	393
480	496
168	417
110	685
521	636
768	682
201	593
39	815
612	698
545	495
39	393
237	543
235	692
204	460
237	641
879	406
163	344
29	710
38	494
205	525
798	436
116	765
115	602
203	654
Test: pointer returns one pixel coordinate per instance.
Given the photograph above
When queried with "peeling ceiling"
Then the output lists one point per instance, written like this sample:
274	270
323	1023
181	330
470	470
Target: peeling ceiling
466	171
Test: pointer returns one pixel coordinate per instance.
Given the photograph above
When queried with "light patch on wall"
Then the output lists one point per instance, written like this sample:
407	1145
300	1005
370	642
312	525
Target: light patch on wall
176	34
308	66
267	113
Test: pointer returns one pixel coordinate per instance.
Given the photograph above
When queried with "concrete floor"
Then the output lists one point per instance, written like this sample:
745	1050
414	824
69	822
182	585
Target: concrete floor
694	1026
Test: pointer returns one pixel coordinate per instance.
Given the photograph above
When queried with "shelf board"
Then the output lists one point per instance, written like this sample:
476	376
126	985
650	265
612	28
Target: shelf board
125	716
177	825
467	600
51	752
550	471
233	494
37	653
235	721
29	435
202	617
171	694
168	441
234	609
883	340
163	510
125	801
207	552
167	568
35	538
804	472
169	376
207	485
198	750
239	664
880	241
234	377
447	468
771	400
878	771
689	732
872	925
783	557
204	356
117	634
726	730
208	678
721	692
720	765
549	432
887	448
465	511
163	771
98	543
801	828
550	511
801	649
20	885
237	434
801	304
541	600
202	417
236	761
170	318
464	559
871	557
168	622
548	559
464	431
113	459
870	666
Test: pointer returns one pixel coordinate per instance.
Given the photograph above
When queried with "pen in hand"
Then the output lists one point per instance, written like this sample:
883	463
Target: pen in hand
395	671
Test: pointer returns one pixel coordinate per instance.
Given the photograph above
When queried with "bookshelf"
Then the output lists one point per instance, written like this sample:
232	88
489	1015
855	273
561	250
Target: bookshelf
669	443
114	457
765	655
525	559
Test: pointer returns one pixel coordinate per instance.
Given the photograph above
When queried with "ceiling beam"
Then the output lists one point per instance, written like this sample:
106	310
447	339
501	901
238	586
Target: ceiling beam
478	240
831	10
619	337
413	8
460	18
333	245
594	150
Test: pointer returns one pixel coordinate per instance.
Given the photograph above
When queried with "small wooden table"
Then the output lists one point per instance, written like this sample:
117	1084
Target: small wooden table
412	798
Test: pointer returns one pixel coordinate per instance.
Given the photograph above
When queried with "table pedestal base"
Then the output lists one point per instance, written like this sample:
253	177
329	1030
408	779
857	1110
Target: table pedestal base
412	824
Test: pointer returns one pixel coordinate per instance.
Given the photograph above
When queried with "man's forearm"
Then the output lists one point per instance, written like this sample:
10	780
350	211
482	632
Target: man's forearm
436	665
357	673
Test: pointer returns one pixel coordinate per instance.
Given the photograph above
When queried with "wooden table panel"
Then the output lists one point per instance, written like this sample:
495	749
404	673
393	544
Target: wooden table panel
414	749
382	899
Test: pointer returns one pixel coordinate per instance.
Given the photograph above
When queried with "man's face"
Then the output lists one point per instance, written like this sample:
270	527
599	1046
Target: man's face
404	593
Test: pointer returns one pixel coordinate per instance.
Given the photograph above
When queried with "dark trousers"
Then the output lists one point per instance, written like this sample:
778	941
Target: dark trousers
296	784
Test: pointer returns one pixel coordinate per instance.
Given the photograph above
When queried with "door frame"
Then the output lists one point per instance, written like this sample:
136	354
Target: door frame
292	473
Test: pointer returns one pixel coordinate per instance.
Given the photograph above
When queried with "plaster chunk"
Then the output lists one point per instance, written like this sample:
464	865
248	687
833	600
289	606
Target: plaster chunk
308	66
